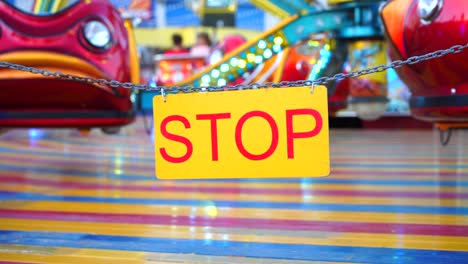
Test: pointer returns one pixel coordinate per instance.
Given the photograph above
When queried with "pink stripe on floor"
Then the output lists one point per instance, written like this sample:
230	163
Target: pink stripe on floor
273	224
232	190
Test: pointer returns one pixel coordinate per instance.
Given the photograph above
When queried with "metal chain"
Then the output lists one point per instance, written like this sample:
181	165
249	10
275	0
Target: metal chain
189	89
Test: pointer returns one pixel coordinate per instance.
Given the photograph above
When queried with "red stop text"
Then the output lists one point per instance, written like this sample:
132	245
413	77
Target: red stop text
215	118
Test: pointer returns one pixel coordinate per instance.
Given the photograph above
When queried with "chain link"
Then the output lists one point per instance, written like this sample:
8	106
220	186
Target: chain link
190	89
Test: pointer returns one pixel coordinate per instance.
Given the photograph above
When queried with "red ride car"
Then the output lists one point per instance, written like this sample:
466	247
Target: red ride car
86	38
439	86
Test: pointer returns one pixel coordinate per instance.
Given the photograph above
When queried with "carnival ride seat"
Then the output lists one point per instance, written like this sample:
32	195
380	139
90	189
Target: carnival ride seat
171	69
439	87
84	39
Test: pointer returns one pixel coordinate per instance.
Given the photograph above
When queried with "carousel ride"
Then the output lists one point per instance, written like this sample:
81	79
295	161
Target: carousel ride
313	41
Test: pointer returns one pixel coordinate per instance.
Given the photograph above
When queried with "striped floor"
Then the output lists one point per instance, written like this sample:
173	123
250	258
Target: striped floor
393	197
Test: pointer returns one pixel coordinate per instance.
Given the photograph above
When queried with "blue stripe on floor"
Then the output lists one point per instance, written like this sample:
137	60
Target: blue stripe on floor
6	195
230	248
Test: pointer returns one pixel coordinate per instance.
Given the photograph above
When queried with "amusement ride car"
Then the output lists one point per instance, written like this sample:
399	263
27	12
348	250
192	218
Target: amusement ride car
85	38
439	87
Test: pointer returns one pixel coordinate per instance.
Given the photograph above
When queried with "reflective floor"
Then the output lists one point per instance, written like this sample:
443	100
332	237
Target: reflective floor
393	197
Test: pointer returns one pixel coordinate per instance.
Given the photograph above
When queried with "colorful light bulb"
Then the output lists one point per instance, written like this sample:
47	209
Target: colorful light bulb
224	67
206	79
250	57
242	64
221	82
258	59
267	53
278	40
234	62
262	44
215	73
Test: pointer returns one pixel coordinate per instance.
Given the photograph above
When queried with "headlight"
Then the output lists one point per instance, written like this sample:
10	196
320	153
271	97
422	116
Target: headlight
429	9
97	34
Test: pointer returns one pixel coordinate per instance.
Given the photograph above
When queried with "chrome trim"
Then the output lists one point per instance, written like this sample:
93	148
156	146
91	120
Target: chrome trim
432	14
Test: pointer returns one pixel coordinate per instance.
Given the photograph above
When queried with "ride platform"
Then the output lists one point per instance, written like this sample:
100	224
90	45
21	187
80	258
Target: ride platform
394	196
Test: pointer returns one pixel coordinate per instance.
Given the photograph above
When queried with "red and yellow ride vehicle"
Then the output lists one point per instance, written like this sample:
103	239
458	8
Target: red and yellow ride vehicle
439	86
85	38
